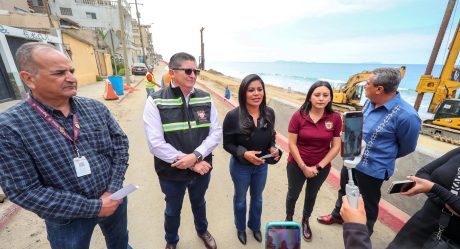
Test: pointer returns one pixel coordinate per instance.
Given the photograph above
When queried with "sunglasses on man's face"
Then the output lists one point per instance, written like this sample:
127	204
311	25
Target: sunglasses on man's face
188	71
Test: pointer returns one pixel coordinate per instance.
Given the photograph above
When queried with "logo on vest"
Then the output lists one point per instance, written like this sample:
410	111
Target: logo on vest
202	117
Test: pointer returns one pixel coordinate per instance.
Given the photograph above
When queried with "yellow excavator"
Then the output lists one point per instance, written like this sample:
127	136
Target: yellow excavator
445	125
347	97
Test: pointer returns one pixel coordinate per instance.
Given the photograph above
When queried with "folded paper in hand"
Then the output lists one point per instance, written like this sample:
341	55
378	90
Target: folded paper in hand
120	194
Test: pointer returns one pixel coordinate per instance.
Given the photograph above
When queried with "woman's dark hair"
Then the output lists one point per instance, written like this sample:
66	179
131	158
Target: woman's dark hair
246	123
306	106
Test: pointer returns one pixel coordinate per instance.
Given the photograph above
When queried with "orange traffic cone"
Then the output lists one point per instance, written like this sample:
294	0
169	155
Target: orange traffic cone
109	93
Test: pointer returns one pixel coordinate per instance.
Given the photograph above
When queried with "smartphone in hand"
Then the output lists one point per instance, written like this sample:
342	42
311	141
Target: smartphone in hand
266	156
352	134
284	234
400	186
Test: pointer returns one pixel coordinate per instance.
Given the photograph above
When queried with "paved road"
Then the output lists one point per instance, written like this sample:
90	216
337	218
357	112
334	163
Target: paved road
146	205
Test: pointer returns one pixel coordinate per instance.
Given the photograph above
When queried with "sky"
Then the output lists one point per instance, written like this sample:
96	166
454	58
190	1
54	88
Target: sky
326	31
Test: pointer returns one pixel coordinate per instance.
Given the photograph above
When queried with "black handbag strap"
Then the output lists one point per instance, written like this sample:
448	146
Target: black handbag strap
446	214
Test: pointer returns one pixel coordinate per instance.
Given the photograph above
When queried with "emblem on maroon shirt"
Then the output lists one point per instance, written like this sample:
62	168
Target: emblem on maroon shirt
329	125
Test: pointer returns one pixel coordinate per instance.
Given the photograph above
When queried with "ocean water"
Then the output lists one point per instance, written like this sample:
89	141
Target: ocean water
299	76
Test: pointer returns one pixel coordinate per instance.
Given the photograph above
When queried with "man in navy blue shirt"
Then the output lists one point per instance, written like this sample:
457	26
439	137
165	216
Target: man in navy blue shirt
391	128
62	156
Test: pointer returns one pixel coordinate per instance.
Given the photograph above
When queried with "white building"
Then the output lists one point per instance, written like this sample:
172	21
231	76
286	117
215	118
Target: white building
97	14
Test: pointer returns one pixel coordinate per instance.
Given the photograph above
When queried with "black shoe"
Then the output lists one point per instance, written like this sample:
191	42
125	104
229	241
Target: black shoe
208	240
306	231
258	236
242	237
288	218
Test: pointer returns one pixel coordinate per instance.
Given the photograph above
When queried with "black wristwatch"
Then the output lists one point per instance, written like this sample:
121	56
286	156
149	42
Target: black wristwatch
318	167
198	155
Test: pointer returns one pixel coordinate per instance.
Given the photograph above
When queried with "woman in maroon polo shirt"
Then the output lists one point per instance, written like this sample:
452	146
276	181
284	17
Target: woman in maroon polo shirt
314	140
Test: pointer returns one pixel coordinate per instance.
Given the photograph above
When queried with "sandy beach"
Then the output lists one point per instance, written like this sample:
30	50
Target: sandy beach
219	81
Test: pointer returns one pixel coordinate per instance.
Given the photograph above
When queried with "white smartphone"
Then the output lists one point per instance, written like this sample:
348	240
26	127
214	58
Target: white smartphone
266	156
269	155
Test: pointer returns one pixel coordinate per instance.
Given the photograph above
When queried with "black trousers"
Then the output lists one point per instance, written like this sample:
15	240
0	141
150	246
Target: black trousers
369	188
296	179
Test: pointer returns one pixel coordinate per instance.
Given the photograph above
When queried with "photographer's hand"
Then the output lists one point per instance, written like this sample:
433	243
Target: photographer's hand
354	215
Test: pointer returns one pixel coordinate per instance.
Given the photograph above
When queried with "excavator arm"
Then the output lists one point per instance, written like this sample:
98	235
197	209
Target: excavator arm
445	86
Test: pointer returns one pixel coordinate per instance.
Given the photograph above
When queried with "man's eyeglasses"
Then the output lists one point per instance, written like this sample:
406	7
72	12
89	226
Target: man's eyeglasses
188	71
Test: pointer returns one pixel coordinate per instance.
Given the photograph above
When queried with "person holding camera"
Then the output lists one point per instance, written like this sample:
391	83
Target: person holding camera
249	136
314	140
391	129
355	233
440	180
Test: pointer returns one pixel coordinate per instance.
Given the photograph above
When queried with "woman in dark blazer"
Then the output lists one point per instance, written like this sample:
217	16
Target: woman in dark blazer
249	135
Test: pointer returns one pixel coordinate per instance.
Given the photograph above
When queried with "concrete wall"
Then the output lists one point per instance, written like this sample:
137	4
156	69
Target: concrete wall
106	15
404	166
27	21
84	60
9	5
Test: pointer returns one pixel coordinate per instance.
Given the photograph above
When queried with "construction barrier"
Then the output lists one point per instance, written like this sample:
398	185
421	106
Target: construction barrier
117	83
109	93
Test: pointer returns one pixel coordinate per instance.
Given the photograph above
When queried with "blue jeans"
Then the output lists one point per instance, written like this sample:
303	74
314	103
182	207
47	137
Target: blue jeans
246	176
76	233
149	91
174	196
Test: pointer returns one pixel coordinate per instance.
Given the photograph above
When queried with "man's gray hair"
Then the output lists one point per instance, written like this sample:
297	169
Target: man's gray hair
24	56
177	59
387	77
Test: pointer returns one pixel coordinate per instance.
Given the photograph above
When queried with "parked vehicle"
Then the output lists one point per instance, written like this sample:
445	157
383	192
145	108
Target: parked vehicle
139	69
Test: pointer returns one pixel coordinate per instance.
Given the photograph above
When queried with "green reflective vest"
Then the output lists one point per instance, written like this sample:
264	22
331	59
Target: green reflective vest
185	126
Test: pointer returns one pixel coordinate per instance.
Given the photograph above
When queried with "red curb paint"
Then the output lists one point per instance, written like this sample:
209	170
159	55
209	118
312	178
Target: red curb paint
388	214
8	214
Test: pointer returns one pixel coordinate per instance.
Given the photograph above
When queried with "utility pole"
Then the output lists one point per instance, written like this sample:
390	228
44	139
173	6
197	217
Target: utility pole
437	45
202	49
48	12
123	41
113	50
140	32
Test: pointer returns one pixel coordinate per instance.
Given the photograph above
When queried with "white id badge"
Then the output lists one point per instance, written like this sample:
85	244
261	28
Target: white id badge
81	166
